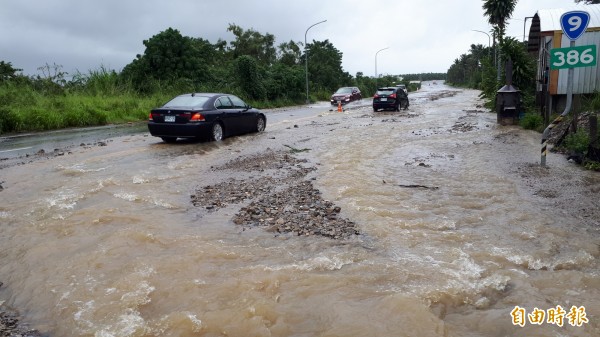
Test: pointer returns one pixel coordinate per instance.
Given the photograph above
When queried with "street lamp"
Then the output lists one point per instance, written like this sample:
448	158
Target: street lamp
489	39
306	58
376	64
488	35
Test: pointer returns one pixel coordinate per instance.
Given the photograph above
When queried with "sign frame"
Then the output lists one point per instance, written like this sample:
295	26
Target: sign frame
574	24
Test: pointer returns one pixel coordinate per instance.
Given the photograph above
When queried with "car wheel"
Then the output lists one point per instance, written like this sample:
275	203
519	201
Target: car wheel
260	124
169	139
216	132
374	109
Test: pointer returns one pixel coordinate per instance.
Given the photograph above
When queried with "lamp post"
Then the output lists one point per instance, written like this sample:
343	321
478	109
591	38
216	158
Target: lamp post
376	64
489	39
306	58
490	50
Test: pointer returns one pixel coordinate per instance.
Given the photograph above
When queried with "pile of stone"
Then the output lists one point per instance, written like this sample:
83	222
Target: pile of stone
299	209
280	199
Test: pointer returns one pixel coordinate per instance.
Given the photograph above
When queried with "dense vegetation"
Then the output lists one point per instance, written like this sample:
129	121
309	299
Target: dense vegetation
250	66
483	68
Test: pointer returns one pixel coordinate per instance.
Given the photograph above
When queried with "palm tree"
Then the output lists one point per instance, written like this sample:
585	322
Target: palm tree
498	12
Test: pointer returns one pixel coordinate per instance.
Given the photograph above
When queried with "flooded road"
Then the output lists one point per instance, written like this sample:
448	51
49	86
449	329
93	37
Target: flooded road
459	226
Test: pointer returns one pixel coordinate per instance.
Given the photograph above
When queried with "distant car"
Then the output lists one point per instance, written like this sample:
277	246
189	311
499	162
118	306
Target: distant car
204	116
346	95
390	98
403	87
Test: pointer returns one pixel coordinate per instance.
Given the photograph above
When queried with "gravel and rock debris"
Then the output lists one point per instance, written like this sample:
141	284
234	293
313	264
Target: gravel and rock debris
11	327
279	198
299	209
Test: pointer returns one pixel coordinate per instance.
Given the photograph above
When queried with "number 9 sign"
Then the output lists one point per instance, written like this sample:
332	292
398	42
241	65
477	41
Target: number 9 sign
574	24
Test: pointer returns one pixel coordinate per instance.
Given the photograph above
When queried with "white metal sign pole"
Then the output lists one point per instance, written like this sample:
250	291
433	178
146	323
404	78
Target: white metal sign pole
559	119
573	25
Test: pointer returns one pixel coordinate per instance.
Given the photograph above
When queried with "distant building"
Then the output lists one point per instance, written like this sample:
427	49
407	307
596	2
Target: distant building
546	34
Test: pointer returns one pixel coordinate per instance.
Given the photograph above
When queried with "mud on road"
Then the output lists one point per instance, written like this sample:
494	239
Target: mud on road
273	187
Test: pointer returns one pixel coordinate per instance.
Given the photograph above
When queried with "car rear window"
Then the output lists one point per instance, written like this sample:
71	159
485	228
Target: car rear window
187	101
385	91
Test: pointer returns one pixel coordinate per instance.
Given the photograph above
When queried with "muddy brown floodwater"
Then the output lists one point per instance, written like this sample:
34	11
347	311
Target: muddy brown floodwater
433	221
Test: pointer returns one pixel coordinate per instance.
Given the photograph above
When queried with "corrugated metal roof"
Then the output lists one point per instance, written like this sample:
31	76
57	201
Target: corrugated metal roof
550	18
547	21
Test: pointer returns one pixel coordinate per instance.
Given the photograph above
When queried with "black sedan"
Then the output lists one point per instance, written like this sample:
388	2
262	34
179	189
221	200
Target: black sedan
204	116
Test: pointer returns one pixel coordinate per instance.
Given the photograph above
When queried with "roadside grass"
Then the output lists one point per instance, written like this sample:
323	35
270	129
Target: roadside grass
24	109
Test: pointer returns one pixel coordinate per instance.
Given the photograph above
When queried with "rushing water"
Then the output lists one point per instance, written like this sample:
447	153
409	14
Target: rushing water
105	242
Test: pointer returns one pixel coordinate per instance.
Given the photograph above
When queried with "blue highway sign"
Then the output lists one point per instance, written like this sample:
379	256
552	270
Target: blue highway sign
574	24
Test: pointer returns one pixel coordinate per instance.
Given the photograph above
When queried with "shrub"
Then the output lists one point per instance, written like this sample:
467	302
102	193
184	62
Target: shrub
592	102
532	121
9	120
578	142
592	165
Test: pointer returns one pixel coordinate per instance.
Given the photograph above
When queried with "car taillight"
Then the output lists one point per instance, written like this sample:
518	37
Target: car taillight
197	117
376	96
150	117
392	96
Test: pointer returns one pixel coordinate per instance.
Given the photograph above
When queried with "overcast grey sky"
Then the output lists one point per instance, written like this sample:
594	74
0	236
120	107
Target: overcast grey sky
422	35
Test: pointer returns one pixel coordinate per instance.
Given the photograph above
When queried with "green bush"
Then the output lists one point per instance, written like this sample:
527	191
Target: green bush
532	121
592	165
9	120
592	102
577	142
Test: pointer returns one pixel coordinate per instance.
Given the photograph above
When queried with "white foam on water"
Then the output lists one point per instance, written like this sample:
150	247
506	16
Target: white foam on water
64	199
443	225
569	260
320	263
78	169
139	295
130	323
196	322
126	196
162	203
140	180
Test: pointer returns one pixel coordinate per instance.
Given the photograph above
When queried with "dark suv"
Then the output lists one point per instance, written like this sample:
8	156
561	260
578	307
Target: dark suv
390	98
346	95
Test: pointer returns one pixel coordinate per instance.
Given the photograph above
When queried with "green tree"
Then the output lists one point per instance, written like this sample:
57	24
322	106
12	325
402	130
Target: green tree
467	69
7	72
524	68
249	77
498	12
290	53
285	82
171	57
325	66
250	42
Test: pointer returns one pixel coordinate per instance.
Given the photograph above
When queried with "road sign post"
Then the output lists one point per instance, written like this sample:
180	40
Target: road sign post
573	25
